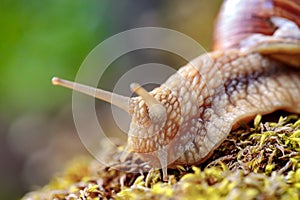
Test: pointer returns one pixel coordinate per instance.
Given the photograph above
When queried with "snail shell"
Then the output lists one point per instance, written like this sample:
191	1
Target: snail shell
239	19
266	26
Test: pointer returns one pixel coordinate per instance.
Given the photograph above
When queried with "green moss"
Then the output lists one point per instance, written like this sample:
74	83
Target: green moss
255	162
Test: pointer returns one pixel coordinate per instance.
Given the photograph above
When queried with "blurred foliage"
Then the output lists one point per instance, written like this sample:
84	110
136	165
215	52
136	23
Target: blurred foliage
40	39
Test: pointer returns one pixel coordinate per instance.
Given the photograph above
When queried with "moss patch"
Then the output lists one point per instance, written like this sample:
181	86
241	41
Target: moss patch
259	161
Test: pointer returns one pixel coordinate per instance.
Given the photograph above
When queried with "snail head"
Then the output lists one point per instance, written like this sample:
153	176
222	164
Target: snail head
155	115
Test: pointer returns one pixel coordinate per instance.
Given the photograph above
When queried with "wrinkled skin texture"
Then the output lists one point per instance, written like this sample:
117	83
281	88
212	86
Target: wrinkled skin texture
213	93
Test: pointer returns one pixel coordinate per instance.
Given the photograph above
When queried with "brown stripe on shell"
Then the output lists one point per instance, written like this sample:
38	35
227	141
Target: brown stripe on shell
239	19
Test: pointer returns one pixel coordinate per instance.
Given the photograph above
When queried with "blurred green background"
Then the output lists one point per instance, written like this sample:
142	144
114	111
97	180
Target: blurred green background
42	39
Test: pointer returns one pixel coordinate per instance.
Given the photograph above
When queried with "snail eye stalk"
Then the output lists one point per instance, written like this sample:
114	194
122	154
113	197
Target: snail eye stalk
115	99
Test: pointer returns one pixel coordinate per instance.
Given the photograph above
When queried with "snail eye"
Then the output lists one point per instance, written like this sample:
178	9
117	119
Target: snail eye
157	112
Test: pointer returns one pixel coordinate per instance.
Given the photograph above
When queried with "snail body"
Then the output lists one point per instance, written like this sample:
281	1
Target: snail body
188	116
205	117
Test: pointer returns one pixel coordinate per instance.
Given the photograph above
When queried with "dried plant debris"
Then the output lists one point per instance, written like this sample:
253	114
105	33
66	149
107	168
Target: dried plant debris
257	162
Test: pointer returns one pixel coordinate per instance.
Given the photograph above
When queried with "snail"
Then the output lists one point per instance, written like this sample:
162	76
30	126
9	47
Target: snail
254	68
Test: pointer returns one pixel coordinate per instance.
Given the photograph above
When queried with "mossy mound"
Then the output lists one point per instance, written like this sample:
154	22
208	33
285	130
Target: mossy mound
257	162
